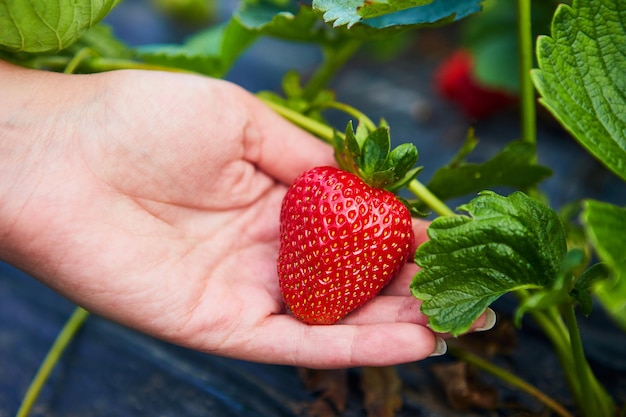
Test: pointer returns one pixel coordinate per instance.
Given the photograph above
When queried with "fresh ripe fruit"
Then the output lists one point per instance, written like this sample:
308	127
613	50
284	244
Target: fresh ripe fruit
455	82
341	242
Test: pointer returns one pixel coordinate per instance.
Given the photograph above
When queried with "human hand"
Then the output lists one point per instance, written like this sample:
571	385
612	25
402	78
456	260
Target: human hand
152	199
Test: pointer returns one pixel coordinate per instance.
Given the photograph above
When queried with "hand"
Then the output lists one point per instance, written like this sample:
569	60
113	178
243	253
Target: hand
152	199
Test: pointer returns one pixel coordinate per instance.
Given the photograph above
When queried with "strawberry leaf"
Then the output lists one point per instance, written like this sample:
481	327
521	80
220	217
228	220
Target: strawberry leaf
398	13
500	245
581	292
291	21
513	166
375	150
603	223
581	77
403	158
210	52
43	26
559	292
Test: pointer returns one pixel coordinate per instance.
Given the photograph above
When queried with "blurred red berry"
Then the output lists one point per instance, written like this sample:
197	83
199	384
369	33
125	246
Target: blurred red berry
455	82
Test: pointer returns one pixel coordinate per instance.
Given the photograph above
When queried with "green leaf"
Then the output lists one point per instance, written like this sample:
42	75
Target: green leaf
40	26
502	244
410	13
558	293
581	77
581	292
291	84
513	166
403	158
347	149
211	52
605	225
101	40
375	150
292	21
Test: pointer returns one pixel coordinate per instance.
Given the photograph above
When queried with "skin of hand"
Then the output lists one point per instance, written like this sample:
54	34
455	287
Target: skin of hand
152	199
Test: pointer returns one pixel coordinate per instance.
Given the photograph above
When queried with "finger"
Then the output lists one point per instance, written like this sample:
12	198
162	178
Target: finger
420	229
388	309
485	322
285	340
279	148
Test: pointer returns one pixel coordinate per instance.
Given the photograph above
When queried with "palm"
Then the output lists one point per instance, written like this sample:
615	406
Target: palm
189	218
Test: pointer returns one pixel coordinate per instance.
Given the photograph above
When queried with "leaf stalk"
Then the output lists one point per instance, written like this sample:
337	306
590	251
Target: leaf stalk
334	58
527	91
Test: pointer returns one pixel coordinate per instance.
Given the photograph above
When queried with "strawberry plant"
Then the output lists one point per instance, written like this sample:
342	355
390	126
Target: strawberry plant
558	267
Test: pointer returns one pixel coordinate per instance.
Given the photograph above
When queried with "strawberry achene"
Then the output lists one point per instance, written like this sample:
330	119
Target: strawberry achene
341	242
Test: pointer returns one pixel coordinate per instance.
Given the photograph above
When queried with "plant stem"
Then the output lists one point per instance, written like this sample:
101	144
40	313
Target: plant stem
80	56
527	91
554	329
510	379
52	357
320	130
593	398
334	58
327	133
360	116
560	335
97	64
431	200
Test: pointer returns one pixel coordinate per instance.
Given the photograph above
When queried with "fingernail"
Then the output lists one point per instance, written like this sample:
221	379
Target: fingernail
440	347
490	321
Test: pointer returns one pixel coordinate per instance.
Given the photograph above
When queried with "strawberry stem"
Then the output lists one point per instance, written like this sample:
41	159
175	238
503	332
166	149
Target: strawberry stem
327	134
527	91
359	115
335	58
320	130
96	64
424	194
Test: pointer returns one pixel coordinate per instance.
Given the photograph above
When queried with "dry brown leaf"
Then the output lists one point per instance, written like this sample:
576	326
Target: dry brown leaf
382	391
331	387
463	389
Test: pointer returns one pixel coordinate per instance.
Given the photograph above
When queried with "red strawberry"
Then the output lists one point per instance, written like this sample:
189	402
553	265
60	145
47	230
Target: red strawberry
341	242
456	82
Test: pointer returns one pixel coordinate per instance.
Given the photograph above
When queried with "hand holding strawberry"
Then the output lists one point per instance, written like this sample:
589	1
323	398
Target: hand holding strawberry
169	225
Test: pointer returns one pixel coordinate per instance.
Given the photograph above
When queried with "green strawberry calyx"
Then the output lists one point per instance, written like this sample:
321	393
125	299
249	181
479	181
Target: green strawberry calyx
367	153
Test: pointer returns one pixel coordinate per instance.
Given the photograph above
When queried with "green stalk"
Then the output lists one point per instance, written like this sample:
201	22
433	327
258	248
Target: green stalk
586	403
327	134
554	329
593	402
98	64
584	389
510	379
70	328
77	59
431	200
360	116
324	132
527	91
334	58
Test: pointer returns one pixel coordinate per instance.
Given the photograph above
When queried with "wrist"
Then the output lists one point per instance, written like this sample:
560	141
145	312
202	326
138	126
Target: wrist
34	133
